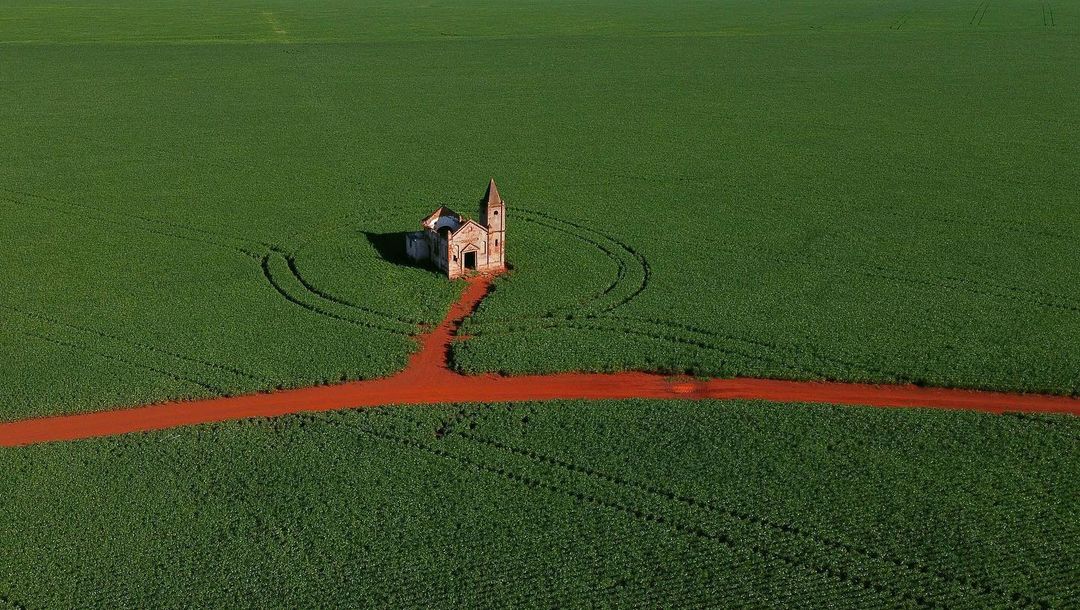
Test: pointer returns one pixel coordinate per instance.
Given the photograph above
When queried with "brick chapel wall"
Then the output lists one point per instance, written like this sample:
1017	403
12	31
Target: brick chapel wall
469	238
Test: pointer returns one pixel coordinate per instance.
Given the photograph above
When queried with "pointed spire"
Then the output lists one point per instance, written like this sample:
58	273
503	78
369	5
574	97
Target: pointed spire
492	197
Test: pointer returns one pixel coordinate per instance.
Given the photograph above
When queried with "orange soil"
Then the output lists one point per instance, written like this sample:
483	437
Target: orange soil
428	380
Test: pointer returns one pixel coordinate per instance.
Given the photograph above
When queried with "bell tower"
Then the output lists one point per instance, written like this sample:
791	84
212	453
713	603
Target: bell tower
493	212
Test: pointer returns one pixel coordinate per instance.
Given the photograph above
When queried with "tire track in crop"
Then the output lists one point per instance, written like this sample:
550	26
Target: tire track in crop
620	264
553	321
776	348
408	326
1028	296
217	391
756	551
988	289
312	236
488	575
148	224
232	370
980	12
629	261
1048	14
779	354
998	291
249	248
278	260
505	572
653	518
785	529
583	324
449	427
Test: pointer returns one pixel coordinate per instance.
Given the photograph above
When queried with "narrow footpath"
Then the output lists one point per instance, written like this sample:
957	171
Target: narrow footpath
427	380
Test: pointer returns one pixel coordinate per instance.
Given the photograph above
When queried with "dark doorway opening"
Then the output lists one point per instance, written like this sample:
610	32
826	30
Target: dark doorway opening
470	260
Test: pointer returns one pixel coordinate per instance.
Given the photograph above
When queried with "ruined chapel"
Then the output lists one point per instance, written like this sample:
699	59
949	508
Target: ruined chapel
458	245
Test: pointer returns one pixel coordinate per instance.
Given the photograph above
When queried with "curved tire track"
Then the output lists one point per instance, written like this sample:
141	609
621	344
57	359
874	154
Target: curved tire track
630	262
276	270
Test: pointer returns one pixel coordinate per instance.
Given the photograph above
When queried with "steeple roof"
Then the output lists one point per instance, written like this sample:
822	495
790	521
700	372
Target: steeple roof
492	197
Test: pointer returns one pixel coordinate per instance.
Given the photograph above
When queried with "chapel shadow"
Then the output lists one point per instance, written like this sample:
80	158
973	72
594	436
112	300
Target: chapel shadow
391	248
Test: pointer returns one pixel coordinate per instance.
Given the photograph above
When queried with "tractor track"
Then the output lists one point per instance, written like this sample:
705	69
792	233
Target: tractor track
428	380
783	529
654	518
632	278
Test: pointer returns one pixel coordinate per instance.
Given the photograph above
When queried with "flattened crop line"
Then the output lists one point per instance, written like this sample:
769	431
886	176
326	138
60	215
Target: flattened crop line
796	348
982	288
147	346
999	291
213	235
316	291
699	344
693	530
490	327
646	270
785	529
269	275
580	325
980	12
175	376
610	249
1048	14
619	263
123	222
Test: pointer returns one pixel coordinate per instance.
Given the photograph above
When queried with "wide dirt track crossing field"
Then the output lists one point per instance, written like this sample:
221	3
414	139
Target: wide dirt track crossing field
428	379
839	202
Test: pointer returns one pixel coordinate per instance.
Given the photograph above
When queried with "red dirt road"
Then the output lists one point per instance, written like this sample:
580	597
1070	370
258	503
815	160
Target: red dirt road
427	380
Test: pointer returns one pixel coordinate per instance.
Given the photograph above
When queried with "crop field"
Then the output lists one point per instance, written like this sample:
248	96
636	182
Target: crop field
208	199
203	202
663	504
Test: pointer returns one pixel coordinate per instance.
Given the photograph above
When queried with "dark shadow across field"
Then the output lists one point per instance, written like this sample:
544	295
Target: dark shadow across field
391	248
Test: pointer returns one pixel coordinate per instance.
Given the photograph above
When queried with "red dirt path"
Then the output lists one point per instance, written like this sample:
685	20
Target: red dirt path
427	380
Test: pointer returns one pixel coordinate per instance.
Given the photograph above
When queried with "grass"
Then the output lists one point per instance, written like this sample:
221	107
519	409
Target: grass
563	504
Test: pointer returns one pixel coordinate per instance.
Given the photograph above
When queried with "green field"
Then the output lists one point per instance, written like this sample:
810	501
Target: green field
662	504
193	198
206	198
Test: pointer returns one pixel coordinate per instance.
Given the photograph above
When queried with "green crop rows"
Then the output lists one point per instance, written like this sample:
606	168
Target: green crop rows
209	201
559	504
205	199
